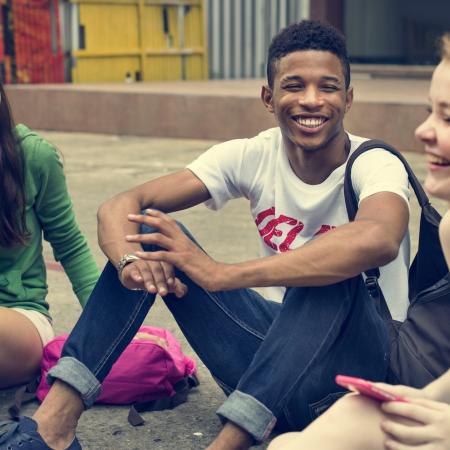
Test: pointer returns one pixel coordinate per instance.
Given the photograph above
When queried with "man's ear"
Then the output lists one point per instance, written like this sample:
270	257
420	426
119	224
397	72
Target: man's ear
349	98
267	97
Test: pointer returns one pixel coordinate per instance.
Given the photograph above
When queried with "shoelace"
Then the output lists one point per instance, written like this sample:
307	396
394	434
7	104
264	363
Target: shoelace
7	429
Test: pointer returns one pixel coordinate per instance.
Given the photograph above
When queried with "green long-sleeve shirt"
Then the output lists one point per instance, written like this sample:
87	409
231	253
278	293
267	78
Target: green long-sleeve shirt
49	214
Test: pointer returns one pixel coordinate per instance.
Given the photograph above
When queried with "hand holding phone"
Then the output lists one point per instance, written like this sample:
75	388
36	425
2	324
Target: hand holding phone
367	388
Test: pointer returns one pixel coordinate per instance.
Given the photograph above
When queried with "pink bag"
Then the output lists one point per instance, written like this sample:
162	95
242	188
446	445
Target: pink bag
152	373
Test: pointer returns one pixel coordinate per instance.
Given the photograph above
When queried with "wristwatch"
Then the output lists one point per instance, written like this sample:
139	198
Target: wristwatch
126	259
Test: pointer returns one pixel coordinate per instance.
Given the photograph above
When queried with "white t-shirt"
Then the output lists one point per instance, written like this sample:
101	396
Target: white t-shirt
289	212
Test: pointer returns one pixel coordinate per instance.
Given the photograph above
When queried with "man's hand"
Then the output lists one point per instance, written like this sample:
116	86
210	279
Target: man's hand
152	276
179	251
430	429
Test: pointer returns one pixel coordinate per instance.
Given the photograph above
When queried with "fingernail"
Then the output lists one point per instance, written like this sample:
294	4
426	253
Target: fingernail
169	280
162	291
149	211
132	216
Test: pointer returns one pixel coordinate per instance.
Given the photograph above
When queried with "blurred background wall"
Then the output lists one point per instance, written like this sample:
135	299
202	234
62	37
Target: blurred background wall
82	41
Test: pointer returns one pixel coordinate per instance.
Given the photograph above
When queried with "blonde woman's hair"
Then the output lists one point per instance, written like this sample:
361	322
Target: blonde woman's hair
445	48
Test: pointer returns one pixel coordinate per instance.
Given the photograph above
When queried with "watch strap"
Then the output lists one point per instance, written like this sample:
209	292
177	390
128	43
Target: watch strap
126	259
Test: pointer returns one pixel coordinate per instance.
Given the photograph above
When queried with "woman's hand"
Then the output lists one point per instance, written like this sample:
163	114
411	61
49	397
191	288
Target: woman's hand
403	391
420	424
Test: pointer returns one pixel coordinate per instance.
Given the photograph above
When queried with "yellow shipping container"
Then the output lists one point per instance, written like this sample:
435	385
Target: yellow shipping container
140	40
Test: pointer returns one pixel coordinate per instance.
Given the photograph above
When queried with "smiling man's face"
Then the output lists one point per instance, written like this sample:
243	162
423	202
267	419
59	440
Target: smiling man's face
309	99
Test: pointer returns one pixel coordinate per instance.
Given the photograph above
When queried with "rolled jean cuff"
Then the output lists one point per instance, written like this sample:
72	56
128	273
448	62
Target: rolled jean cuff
78	376
248	413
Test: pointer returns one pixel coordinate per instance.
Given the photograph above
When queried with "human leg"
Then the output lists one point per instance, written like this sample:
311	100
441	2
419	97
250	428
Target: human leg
107	324
352	423
318	333
20	348
110	320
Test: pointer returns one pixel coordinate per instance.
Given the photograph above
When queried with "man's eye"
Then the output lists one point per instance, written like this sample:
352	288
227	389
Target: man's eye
329	88
293	87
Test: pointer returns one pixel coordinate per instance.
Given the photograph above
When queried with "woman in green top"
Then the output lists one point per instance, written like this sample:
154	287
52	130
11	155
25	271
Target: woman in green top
34	203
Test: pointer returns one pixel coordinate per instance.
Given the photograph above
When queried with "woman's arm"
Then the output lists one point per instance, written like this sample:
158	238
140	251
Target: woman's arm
53	207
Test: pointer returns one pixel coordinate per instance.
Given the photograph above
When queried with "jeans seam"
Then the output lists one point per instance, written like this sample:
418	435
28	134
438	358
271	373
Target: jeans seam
233	317
114	344
222	384
294	385
288	417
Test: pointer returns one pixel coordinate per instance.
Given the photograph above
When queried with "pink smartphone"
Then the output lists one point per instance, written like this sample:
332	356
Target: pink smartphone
367	388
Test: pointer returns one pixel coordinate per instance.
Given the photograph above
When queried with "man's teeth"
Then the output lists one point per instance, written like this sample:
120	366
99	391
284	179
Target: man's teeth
433	159
310	122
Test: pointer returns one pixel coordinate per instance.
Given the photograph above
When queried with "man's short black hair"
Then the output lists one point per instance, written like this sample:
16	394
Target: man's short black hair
307	35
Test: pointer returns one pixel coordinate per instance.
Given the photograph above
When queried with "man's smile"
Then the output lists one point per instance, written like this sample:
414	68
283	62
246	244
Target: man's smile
310	123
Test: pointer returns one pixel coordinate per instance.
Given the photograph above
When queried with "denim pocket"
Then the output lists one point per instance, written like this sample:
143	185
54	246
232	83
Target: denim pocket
319	407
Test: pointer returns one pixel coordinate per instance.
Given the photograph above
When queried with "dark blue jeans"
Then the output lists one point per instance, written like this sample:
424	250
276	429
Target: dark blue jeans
274	361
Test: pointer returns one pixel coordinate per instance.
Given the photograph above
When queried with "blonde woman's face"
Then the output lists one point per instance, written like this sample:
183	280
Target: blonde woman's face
435	133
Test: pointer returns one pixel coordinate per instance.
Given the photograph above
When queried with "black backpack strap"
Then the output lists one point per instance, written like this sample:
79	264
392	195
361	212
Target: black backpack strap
181	388
350	198
23	395
351	204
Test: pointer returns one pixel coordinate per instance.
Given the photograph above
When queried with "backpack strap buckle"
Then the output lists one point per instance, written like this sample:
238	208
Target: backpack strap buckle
372	286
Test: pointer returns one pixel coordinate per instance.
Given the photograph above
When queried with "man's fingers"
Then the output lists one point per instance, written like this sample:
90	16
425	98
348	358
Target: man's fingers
148	278
131	277
179	288
169	273
135	274
157	256
159	278
153	238
153	218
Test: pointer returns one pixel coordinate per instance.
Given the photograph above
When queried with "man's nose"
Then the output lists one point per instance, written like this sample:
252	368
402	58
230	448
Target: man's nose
311	97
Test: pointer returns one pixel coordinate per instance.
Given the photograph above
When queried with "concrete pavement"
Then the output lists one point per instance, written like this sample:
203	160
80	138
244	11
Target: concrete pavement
97	167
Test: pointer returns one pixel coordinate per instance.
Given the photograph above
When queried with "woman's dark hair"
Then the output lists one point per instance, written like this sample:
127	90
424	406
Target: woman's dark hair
307	35
13	228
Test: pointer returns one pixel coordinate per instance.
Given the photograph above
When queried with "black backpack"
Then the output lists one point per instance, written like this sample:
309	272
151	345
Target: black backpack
420	346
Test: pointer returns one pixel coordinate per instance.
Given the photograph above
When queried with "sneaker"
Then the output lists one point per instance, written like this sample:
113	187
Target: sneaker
22	435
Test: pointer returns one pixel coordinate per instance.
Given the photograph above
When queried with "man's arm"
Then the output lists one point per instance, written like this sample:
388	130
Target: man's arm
169	193
372	240
174	192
